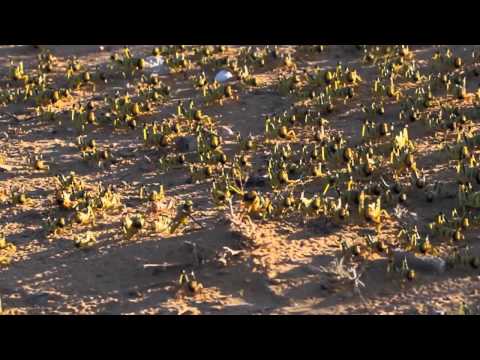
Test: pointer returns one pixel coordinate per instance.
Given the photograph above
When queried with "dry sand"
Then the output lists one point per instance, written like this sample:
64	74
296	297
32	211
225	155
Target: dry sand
279	276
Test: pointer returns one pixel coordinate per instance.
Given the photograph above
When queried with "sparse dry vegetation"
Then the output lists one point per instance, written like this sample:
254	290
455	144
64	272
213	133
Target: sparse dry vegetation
317	179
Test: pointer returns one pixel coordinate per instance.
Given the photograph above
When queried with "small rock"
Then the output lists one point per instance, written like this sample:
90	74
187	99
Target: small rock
256	181
40	299
313	269
186	144
134	294
425	263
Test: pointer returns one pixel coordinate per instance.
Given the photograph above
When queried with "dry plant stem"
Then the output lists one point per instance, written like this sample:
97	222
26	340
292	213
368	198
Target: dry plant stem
196	222
196	258
341	272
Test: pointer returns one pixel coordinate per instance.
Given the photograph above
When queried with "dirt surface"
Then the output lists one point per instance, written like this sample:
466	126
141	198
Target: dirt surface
281	274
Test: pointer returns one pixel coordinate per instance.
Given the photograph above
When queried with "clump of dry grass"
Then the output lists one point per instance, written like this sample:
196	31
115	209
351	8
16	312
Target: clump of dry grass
240	226
340	272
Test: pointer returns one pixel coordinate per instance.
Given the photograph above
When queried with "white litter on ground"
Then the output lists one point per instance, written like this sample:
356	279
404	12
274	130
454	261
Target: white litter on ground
156	65
223	76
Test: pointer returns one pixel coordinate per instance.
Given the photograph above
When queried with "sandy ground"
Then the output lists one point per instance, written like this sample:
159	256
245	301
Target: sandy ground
279	276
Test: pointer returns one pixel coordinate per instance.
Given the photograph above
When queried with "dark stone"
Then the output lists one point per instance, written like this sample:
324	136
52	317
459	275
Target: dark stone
134	294
186	144
422	263
256	182
40	299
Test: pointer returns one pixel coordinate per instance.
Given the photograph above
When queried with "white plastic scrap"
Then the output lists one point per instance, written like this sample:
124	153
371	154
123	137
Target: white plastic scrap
223	76
156	64
225	131
153	61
